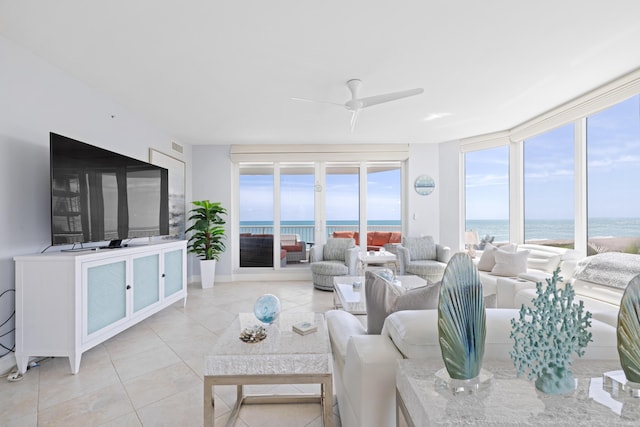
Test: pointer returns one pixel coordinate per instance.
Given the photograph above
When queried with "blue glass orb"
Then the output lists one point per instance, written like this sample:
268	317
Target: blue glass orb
267	308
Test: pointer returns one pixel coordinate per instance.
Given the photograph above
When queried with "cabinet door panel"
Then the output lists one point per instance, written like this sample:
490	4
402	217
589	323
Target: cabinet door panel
106	295
146	281
172	272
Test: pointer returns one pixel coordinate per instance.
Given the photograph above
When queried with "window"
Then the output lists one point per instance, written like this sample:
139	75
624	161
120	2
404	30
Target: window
307	202
548	188
256	215
384	197
487	193
613	162
342	197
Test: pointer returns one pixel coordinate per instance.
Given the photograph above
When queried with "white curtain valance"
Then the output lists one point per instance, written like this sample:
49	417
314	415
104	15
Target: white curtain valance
485	142
603	97
317	152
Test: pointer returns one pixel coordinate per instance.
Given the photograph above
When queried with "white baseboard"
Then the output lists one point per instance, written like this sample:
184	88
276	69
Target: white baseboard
7	363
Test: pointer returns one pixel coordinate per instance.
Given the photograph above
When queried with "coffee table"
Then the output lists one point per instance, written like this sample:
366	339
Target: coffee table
283	357
354	301
510	400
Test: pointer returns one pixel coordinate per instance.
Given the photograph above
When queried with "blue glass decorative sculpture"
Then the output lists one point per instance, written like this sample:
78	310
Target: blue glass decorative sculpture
546	335
629	331
267	308
461	318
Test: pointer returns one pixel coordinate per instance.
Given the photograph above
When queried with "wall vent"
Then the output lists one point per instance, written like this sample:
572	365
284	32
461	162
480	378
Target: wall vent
176	147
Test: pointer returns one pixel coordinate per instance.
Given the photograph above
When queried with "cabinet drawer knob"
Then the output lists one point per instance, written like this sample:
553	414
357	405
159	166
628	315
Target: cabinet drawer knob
128	286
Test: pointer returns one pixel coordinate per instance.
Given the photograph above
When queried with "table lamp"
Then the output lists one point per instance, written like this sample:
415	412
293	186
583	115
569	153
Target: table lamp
470	240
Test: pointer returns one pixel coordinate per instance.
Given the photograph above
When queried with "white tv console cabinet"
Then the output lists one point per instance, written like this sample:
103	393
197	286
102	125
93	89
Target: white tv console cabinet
69	302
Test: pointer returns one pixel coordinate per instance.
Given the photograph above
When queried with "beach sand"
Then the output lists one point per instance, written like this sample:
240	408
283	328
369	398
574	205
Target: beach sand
599	244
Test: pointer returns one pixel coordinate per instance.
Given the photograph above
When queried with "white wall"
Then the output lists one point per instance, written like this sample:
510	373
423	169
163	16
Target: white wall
451	203
37	99
423	212
212	180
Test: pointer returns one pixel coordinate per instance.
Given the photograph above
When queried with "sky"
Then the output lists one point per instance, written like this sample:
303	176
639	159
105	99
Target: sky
613	150
613	159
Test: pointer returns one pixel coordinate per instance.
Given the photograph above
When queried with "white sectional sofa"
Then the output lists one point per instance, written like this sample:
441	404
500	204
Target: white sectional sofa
365	365
599	281
540	263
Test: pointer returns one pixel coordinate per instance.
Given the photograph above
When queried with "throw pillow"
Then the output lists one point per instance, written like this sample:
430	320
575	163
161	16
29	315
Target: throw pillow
548	264
381	296
421	298
420	247
488	260
510	264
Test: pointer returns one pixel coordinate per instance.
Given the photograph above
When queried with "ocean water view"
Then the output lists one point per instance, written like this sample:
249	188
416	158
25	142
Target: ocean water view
558	229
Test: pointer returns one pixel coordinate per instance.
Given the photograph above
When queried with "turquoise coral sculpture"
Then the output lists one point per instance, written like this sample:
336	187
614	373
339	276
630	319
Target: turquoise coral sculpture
546	335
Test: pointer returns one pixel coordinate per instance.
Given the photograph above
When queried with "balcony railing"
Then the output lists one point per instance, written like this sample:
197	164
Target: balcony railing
306	232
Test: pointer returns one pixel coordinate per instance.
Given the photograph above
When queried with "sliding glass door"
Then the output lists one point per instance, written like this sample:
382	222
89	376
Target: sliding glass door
284	208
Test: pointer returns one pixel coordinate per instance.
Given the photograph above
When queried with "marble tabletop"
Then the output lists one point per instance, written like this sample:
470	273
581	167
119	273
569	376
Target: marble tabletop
282	352
514	401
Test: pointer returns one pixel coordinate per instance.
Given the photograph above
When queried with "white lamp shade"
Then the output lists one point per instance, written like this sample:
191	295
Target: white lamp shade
471	237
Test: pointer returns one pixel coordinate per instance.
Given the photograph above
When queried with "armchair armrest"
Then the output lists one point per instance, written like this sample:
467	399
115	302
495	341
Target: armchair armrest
351	260
443	253
316	253
403	256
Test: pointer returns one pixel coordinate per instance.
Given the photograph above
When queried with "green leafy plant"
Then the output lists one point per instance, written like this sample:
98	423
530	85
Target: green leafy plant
207	230
546	335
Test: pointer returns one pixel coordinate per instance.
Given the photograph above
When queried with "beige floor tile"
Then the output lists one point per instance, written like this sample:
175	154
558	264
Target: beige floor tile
145	362
91	409
151	374
183	409
161	383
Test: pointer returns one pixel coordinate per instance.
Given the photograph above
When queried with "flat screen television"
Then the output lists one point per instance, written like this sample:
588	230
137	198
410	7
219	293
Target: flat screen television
98	195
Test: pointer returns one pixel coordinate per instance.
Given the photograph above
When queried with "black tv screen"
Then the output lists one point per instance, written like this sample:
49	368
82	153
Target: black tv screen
98	195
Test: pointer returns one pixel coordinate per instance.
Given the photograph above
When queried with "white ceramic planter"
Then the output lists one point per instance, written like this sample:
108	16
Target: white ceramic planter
207	272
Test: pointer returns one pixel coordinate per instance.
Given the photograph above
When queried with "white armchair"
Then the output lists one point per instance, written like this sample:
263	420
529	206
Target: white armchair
423	257
337	257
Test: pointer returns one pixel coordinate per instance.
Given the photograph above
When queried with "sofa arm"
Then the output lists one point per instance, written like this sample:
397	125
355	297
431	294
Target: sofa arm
507	288
370	380
443	253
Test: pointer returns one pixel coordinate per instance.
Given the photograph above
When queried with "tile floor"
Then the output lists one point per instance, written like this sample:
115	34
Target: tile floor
151	374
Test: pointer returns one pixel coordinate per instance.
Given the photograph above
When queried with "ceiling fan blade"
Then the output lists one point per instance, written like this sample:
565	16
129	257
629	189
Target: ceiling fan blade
317	102
386	97
354	119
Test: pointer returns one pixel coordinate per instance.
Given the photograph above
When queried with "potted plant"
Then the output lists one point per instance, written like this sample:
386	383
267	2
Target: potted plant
207	237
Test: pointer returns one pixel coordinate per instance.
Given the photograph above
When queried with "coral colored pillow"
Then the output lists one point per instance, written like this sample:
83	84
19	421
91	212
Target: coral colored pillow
396	237
380	238
343	234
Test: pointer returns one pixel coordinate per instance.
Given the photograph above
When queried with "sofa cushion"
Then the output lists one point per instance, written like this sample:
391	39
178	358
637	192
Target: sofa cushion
420	248
380	238
415	333
396	237
510	264
487	259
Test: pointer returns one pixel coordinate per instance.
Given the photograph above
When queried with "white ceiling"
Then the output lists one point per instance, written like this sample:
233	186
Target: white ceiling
220	72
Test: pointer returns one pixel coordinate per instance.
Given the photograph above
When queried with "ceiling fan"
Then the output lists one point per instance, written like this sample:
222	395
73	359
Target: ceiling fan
355	104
